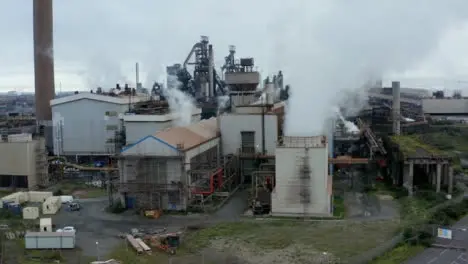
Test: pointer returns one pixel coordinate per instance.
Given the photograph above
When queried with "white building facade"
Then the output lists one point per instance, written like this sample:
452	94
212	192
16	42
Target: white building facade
303	185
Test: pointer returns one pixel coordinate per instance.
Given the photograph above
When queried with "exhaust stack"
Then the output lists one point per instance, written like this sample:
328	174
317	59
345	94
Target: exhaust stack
43	60
44	86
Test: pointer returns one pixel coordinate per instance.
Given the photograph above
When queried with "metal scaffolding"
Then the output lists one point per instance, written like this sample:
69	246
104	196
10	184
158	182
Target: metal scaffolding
146	180
210	186
42	170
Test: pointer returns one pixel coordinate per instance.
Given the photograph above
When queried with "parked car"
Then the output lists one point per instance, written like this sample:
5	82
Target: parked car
70	229
74	206
66	199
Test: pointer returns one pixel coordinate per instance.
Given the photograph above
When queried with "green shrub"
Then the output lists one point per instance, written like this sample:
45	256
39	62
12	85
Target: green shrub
58	192
117	207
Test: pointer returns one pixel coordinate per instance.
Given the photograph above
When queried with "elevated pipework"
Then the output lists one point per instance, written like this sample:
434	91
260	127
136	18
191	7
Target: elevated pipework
396	107
43	60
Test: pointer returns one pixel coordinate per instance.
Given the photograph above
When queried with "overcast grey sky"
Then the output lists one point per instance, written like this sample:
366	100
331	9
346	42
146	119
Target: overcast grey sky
98	41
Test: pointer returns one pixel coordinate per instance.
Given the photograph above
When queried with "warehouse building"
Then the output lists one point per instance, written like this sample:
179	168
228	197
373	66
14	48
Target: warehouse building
303	185
84	123
24	163
445	106
155	172
89	124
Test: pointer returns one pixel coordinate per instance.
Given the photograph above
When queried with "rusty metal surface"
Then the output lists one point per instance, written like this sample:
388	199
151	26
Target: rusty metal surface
43	58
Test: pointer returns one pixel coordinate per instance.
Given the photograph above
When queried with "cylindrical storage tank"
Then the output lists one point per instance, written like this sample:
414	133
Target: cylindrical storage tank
30	213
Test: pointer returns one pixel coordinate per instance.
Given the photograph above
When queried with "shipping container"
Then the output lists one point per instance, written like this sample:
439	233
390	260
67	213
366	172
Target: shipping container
45	225
15	208
49	240
30	213
39	197
52	205
18	197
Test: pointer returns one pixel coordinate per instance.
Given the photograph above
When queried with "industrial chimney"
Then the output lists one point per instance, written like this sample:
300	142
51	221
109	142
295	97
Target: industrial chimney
43	64
396	108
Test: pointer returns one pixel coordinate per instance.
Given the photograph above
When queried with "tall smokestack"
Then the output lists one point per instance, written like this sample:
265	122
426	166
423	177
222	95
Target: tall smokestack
396	107
138	85
43	63
210	71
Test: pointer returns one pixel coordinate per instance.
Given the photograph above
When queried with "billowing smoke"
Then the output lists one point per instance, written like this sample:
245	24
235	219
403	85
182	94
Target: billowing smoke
349	126
222	102
103	71
180	103
329	47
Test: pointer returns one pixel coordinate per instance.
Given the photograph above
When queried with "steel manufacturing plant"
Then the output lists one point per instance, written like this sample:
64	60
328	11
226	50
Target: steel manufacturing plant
160	152
212	143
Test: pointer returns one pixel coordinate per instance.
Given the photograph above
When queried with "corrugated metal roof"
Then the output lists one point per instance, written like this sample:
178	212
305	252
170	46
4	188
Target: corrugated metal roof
190	136
123	100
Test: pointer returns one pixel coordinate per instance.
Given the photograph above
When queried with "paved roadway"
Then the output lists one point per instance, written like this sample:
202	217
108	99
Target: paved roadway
451	251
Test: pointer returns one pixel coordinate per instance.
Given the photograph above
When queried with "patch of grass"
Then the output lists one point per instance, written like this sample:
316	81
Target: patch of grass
399	254
410	144
278	234
80	190
339	209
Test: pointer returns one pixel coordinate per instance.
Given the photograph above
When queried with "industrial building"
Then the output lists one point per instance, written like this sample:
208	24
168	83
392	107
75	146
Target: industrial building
24	165
185	167
84	123
138	126
90	124
303	186
156	170
445	106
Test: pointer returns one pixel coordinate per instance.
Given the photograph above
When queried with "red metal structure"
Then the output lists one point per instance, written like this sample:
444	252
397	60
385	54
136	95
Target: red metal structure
215	183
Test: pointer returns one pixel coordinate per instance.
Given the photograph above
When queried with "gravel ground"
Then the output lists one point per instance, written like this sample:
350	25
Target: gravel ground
94	224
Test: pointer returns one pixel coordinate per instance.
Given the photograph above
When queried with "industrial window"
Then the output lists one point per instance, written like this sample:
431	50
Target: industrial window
248	141
111	127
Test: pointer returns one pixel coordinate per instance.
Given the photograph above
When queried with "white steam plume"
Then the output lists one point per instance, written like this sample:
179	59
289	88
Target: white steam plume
330	46
222	102
350	126
103	71
180	103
